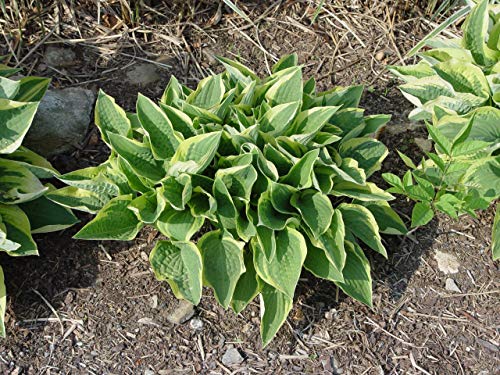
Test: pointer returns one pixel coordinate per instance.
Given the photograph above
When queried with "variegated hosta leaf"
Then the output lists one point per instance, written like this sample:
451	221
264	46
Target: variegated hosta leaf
283	270
274	308
115	221
17	183
17	227
222	264
110	118
15	120
180	264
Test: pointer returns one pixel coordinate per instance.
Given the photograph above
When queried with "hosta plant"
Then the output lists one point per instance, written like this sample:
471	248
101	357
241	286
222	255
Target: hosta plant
275	174
23	207
461	74
456	87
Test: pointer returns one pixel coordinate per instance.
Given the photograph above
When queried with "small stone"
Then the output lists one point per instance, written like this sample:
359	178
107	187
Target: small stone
424	144
154	301
447	263
59	57
452	286
148	372
61	122
196	324
232	357
380	55
182	313
143	74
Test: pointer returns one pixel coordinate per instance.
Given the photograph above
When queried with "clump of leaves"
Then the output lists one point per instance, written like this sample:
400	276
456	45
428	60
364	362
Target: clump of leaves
277	173
461	74
23	207
456	85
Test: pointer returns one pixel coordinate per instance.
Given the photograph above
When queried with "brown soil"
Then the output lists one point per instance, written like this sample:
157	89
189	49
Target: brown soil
104	294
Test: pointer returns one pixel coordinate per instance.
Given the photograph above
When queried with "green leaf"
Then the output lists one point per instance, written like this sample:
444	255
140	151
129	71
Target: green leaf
226	211
178	190
78	199
387	219
239	180
312	120
269	216
209	92
278	119
368	152
110	118
422	213
267	241
362	224
275	307
464	77
138	156
179	120
32	89
281	196
180	264
248	285
495	236
475	29
222	264
113	222
46	216
195	154
148	206
408	162
161	133
39	166
8	88
16	118
178	225
319	264
332	241
316	210
288	87
17	227
439	139
368	192
357	279
300	175
17	183
283	271
286	61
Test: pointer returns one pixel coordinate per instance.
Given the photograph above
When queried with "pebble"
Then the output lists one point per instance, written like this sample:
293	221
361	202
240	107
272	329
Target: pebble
196	324
424	144
380	55
143	74
182	313
232	357
58	57
452	286
447	263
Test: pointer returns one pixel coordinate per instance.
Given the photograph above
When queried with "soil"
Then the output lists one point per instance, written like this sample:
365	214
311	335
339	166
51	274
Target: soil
95	307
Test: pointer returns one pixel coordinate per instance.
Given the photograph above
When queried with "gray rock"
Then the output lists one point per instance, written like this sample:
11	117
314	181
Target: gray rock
232	357
196	324
447	263
61	122
182	313
452	286
424	144
143	74
59	57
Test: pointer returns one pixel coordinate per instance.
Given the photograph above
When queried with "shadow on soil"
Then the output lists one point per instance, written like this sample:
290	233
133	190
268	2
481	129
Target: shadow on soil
63	265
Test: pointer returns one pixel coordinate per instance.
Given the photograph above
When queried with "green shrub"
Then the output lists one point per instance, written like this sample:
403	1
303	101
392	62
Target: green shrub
24	209
276	174
457	86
